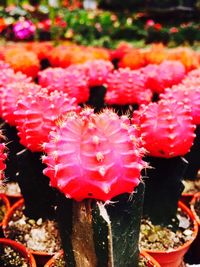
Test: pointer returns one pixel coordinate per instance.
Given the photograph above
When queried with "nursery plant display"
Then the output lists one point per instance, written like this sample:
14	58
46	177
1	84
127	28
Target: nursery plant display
81	169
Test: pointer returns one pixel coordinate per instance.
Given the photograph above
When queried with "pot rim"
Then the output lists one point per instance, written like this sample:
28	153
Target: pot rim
7	204
6	219
150	258
183	207
21	248
195	197
52	260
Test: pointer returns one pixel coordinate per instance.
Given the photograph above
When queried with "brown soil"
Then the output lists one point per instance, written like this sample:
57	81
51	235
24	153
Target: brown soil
191	187
59	262
2	210
11	258
37	235
156	237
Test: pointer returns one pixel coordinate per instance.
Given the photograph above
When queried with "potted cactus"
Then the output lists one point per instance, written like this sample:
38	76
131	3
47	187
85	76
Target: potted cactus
188	94
167	130
95	161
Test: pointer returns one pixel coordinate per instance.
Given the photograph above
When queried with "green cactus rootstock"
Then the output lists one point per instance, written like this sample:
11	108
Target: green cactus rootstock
99	234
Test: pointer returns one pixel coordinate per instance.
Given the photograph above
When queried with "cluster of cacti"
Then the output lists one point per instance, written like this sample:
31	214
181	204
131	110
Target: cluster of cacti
92	155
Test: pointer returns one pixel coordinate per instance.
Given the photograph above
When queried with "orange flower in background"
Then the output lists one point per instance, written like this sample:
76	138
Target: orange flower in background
156	54
2	24
41	49
67	54
134	59
22	60
61	56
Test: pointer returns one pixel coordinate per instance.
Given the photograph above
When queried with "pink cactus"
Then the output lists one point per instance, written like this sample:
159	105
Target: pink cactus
10	94
97	71
164	75
189	97
36	115
192	79
166	128
8	75
125	86
94	156
72	82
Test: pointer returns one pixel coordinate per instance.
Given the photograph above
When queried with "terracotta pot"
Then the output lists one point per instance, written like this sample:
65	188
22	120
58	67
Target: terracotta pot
195	248
21	249
4	198
51	262
174	258
40	256
151	261
195	198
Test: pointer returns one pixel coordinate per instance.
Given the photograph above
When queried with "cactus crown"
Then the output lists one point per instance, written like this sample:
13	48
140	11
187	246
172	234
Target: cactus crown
94	156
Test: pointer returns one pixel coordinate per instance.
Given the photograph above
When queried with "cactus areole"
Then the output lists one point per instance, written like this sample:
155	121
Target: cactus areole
94	156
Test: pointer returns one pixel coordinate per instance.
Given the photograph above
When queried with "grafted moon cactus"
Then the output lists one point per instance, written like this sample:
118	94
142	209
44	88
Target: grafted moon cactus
3	157
10	94
165	75
166	128
94	156
189	97
97	71
72	82
36	114
125	86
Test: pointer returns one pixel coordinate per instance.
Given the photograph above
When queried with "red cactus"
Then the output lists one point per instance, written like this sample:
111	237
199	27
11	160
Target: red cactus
72	82
10	94
189	97
125	86
36	114
164	75
93	156
166	128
